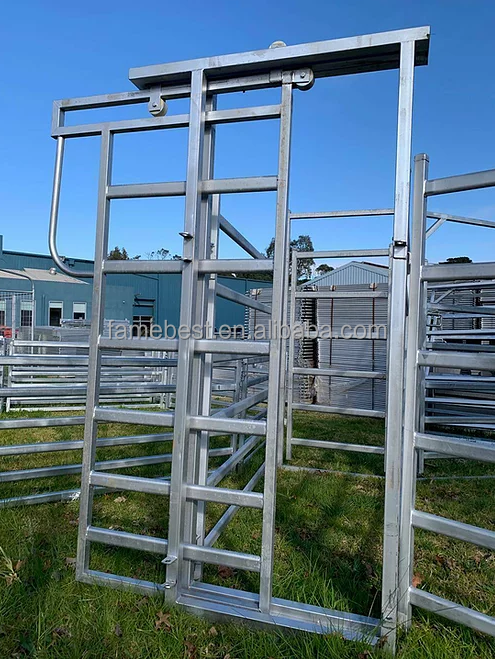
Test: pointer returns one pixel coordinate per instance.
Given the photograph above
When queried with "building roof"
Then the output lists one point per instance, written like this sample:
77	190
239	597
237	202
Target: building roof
354	272
35	274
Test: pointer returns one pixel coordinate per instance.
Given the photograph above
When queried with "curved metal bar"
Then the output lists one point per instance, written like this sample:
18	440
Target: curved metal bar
52	233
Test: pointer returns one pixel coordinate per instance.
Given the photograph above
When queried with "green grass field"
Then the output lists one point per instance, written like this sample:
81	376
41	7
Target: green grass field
328	553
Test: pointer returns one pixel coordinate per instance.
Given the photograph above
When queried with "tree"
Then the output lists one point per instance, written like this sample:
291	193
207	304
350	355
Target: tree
118	254
302	243
324	268
458	259
162	254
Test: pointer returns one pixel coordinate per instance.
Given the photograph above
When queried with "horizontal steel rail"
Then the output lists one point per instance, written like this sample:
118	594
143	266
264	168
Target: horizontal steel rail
339	372
461	447
326	58
478	361
452	611
342	254
216	556
128	540
461	183
453	529
130	483
224	495
459	271
329	409
338	446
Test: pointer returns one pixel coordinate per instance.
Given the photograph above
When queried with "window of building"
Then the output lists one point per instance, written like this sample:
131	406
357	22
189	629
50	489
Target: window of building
79	310
55	311
141	325
26	313
3	311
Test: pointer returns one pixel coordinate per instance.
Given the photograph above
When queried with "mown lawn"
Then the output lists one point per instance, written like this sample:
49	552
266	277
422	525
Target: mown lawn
328	553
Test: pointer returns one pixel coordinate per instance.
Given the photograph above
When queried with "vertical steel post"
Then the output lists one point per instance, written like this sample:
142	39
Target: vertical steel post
185	357
274	423
415	339
94	361
396	345
290	367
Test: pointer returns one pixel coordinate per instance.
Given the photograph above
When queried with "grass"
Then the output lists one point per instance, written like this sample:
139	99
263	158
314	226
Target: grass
328	553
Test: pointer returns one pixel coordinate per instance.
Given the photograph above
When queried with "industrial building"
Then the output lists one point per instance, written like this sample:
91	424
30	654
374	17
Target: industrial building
39	287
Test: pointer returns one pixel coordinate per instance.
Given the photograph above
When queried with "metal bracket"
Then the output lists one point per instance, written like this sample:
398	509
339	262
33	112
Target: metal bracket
157	106
303	79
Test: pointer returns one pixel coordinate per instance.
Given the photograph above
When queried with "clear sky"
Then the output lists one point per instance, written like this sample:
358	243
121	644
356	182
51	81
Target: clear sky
344	128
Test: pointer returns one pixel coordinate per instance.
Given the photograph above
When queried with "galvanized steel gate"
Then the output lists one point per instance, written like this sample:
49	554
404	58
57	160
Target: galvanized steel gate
421	354
185	549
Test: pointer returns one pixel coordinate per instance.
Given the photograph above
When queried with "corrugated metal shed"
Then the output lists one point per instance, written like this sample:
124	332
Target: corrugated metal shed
354	272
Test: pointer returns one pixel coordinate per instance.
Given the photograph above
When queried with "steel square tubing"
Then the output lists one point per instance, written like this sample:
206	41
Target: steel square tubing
138	344
473	181
372	52
414	389
330	409
396	345
171	121
94	366
342	253
224	495
230	231
228	426
218	266
225	469
242	405
340	214
474	361
274	423
127	540
337	446
461	220
111	415
229	294
216	556
133	266
61	470
12	424
129	483
340	372
76	360
76	444
178	188
215	532
35	390
453	529
452	611
124	126
241	605
323	295
461	447
449	272
234	347
192	301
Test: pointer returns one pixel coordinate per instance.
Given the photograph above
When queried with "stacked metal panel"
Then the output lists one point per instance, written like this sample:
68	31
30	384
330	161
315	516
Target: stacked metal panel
353	317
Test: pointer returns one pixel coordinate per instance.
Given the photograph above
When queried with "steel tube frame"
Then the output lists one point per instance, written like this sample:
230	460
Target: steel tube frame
192	422
421	355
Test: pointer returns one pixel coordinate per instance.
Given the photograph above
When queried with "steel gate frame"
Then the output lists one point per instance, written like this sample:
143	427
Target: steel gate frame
419	356
201	80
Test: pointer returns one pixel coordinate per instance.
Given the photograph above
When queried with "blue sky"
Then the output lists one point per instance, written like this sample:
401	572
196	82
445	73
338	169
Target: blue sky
344	129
